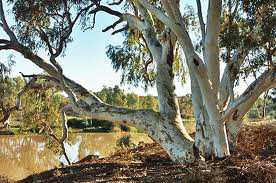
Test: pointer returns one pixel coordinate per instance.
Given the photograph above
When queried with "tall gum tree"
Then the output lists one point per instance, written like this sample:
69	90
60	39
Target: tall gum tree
218	113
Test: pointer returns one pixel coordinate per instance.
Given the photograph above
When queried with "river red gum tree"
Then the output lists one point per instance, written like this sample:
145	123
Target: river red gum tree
218	113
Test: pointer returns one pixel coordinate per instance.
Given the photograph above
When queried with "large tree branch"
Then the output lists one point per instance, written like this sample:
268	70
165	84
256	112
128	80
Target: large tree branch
81	11
116	3
81	92
168	9
149	33
90	106
194	62
200	17
5	25
157	12
263	83
6	44
173	7
211	56
111	12
107	10
226	91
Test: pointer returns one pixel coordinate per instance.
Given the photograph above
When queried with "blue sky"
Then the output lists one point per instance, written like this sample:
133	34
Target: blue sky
86	62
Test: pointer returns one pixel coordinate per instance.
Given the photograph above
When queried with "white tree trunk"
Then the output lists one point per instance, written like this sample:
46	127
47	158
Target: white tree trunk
211	47
203	136
196	66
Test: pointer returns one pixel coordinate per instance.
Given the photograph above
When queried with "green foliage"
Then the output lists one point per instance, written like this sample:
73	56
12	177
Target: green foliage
256	112
133	57
38	108
125	141
90	125
253	28
186	106
113	96
116	96
41	108
45	23
134	60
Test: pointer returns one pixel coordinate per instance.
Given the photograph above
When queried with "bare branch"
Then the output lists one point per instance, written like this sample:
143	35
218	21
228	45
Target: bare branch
45	38
226	90
263	83
54	14
6	44
202	25
81	11
116	3
107	10
120	30
113	25
65	132
5	25
134	8
30	85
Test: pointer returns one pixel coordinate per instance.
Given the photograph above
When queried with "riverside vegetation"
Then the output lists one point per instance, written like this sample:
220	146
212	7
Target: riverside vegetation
161	39
254	159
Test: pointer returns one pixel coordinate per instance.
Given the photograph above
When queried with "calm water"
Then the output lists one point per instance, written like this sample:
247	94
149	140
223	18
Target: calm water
21	156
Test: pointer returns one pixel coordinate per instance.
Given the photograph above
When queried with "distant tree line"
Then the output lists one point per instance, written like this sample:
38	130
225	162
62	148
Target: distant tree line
117	96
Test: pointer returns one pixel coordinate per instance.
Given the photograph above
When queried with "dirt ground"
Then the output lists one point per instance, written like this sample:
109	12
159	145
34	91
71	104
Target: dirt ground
253	161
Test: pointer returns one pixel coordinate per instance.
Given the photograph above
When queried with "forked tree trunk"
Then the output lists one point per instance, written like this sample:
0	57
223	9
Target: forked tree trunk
203	135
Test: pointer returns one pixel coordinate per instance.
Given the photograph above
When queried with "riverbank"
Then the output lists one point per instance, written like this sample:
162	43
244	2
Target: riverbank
253	161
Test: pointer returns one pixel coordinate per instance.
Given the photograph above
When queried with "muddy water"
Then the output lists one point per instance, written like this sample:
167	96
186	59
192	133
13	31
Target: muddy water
21	156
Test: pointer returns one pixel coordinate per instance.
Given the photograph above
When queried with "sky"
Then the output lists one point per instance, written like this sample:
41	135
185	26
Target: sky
86	62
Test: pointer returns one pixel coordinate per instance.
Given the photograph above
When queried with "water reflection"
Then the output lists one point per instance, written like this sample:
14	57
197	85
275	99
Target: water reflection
21	156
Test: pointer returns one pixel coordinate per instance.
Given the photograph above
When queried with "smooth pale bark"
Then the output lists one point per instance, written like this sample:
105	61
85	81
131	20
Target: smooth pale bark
203	136
196	66
211	47
202	25
168	100
210	102
226	91
163	54
159	126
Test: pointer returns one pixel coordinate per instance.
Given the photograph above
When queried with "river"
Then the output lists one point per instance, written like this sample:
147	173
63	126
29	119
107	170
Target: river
21	156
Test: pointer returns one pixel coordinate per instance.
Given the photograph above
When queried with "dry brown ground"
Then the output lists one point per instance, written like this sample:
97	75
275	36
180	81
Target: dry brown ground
253	161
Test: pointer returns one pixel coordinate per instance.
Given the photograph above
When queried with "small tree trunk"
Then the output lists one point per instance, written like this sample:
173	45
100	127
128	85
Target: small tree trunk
265	104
